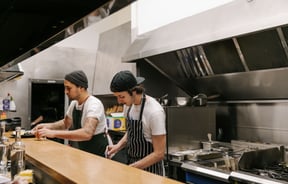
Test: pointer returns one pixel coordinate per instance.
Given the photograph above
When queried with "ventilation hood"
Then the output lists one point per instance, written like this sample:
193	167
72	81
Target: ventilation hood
27	27
11	73
243	57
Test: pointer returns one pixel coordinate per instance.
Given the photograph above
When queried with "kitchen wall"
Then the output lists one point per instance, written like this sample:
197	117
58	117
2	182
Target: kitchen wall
53	64
261	121
77	52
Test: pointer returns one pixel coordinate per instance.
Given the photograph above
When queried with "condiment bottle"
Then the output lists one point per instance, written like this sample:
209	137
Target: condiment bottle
12	104
17	154
6	103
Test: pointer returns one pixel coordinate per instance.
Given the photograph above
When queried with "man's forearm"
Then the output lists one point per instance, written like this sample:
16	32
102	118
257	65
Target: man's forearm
58	125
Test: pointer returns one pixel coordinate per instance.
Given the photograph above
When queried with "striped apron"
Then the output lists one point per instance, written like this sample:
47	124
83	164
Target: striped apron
137	146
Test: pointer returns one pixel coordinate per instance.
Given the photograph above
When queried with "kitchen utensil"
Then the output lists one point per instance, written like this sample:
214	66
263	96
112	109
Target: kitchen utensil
209	135
210	144
163	100
182	101
199	100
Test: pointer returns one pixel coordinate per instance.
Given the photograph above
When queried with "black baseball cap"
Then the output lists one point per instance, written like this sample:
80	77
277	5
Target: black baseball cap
124	81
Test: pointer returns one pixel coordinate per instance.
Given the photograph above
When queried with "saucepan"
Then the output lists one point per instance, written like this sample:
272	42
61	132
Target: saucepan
201	99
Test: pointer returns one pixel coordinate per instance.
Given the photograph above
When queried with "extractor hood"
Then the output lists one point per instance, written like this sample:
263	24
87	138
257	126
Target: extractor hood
28	27
237	51
232	19
13	72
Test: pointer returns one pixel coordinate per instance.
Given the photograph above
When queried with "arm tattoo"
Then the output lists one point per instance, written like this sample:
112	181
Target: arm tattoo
90	125
58	125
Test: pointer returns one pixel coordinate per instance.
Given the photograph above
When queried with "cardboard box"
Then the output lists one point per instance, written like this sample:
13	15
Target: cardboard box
116	123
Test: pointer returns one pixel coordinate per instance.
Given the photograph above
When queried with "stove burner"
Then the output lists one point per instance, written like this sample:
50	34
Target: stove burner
279	167
278	171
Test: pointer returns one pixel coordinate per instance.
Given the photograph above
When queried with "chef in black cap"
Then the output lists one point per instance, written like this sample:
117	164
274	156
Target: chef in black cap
84	122
145	137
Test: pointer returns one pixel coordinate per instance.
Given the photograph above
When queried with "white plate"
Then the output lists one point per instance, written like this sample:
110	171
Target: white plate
4	180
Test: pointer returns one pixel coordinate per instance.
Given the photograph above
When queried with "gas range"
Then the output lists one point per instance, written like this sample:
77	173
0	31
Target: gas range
254	163
276	171
247	177
261	166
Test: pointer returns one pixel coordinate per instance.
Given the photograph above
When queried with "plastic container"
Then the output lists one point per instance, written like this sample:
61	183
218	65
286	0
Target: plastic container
116	123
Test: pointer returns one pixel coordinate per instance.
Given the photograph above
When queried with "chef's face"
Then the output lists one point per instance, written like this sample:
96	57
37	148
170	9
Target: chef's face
124	97
71	90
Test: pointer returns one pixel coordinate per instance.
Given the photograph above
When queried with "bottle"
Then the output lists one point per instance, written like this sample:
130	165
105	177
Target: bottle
3	153
3	115
17	154
6	103
12	106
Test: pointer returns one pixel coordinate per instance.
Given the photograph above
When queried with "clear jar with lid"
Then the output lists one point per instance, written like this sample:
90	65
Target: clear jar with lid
17	154
4	150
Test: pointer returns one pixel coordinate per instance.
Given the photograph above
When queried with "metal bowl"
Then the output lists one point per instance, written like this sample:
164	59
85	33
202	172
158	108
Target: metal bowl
182	101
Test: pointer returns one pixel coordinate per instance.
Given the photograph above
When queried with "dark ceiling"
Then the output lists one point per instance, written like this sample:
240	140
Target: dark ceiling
24	24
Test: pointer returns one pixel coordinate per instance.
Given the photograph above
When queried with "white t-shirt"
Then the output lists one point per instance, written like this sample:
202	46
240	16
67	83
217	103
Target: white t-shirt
153	118
93	108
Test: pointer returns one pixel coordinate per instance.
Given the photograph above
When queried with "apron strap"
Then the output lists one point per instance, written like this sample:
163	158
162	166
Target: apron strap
143	100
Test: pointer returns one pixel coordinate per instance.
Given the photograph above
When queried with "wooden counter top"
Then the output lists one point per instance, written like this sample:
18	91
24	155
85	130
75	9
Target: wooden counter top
70	165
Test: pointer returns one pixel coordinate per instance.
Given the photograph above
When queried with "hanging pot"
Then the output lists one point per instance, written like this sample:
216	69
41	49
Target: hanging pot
201	99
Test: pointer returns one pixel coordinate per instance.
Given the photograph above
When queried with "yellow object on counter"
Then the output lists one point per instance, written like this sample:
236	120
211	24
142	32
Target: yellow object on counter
116	123
27	174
